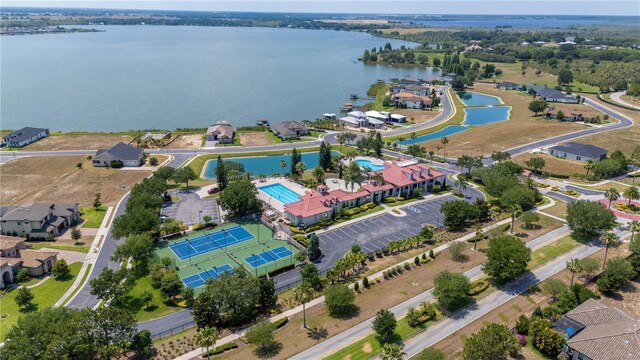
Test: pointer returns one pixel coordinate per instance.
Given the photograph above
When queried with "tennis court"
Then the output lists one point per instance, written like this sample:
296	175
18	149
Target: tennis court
210	242
199	279
268	256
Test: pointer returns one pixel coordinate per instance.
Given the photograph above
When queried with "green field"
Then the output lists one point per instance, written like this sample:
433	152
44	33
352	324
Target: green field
45	295
93	217
234	255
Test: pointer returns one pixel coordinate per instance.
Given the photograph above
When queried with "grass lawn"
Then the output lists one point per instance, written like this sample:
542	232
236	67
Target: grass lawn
53	245
559	209
93	217
45	295
157	307
368	347
553	165
548	252
609	185
80	141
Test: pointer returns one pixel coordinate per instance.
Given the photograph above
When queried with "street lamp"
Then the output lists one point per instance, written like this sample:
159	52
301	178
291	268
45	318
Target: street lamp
199	216
255	267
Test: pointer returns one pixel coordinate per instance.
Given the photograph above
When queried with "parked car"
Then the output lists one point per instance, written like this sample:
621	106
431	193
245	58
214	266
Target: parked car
213	190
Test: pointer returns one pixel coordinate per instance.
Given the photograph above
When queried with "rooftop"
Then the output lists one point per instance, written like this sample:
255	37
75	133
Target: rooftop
23	134
123	151
586	150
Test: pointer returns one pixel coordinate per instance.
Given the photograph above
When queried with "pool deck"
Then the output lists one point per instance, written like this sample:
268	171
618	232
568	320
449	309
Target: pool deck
275	203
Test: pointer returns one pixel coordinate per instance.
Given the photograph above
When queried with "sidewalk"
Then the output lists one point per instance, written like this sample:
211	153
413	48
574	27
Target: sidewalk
90	259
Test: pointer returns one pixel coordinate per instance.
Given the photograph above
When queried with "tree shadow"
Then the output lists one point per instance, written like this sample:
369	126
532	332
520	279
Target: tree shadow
267	351
346	312
391	339
317	333
29	308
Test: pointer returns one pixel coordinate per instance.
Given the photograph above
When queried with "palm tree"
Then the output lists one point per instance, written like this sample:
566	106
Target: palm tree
283	165
303	293
444	141
318	174
631	193
588	166
612	195
342	138
207	337
573	266
461	185
530	184
378	178
634	227
609	239
392	351
516	211
353	175
413	137
300	168
438	147
479	234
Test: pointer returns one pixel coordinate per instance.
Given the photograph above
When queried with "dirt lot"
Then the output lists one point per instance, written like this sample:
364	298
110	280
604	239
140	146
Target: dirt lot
522	128
255	138
554	165
625	139
186	141
56	179
628	300
418	116
78	142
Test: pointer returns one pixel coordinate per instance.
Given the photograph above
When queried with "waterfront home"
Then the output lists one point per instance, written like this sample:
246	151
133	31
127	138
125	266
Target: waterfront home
506	85
222	132
594	330
24	137
411	101
400	179
14	255
119	155
38	220
397	118
354	122
419	90
578	152
551	95
289	130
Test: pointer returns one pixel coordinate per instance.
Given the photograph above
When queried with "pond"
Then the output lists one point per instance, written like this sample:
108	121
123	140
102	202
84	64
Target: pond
266	165
486	115
477	99
449	130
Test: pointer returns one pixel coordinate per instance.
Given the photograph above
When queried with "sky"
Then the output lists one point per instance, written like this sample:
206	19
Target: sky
479	7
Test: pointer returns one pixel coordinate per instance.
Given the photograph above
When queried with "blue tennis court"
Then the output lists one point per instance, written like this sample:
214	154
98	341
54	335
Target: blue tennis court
210	242
199	279
268	256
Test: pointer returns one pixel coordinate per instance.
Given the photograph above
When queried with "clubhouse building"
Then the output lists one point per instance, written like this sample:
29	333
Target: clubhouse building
400	178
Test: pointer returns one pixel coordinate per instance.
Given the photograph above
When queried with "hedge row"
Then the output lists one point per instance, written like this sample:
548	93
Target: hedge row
220	349
301	239
478	286
280	323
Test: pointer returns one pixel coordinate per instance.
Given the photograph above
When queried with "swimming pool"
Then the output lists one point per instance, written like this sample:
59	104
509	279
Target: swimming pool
281	193
266	165
369	164
449	130
486	115
477	99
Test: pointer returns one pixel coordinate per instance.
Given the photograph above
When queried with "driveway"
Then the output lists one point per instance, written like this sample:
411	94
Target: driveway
191	208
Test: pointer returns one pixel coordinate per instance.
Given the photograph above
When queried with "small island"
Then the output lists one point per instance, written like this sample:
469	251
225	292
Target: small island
35	30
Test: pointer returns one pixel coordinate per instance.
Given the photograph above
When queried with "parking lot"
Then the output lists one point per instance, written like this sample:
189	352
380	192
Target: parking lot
375	233
191	208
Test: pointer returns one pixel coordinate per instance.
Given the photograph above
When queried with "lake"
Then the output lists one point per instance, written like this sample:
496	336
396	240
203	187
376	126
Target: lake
266	165
447	131
165	77
477	99
486	115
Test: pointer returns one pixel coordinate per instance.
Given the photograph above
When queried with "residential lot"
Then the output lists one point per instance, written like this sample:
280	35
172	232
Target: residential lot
57	179
191	208
522	128
553	165
79	142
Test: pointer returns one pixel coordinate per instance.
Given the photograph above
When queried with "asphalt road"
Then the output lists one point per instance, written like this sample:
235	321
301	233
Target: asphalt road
616	97
363	329
83	297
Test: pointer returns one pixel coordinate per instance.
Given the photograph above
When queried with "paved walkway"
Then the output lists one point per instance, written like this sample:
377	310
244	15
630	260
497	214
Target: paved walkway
616	96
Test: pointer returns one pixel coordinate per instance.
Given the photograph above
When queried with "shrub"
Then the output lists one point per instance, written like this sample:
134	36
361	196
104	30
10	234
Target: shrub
222	348
356	286
424	256
478	286
522	325
22	275
407	266
280	322
416	261
365	282
432	254
301	239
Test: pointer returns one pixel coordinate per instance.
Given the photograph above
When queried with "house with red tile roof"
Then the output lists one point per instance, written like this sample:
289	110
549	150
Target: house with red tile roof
400	179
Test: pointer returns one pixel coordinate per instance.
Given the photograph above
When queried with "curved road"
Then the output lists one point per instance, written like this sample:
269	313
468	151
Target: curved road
84	299
616	97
